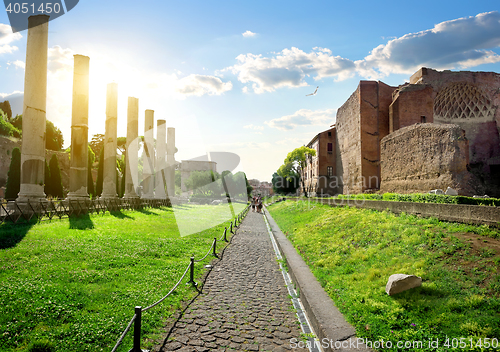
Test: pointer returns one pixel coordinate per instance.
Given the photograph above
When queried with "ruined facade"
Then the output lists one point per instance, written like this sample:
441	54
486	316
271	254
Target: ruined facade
319	173
442	129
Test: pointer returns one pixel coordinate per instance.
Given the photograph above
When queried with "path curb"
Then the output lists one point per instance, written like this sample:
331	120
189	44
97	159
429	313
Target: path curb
333	331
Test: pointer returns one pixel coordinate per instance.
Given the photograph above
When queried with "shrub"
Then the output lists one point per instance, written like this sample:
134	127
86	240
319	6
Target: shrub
55	183
14	175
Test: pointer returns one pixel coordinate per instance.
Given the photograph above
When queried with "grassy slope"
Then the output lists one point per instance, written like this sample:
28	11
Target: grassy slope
352	252
76	282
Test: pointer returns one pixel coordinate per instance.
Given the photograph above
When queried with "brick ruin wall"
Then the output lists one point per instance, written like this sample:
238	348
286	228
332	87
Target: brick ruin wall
428	156
347	149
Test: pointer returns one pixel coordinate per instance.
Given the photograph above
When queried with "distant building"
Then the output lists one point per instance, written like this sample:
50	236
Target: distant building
319	174
263	189
188	166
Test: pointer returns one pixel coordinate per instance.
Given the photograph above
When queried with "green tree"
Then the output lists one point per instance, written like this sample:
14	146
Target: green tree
5	107
90	180
284	185
124	172
294	163
97	144
14	176
17	122
46	186
205	183
100	174
55	178
6	128
53	137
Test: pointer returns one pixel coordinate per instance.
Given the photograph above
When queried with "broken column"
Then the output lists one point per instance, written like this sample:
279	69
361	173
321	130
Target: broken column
110	137
132	148
34	111
161	146
148	156
78	173
170	171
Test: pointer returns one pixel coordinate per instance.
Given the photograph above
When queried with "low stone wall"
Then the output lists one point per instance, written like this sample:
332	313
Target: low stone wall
472	214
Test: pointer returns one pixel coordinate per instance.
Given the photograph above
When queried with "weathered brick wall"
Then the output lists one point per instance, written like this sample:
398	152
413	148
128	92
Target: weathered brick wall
348	148
423	157
411	102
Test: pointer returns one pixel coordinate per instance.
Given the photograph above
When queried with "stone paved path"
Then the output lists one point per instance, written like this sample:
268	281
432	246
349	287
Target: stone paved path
244	305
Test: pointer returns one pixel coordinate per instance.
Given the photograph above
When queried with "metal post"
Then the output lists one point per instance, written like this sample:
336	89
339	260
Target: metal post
215	248
231	229
191	273
225	231
137	329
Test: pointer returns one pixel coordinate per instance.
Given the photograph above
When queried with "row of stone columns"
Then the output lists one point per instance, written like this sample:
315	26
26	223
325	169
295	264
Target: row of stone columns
34	120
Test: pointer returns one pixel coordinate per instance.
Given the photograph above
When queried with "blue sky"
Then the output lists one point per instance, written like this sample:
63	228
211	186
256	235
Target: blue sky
233	75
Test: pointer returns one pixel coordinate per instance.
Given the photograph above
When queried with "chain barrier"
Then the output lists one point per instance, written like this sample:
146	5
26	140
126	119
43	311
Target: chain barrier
136	319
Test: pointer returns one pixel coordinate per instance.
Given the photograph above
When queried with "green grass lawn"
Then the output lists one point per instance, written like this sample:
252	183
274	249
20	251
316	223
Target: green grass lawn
352	252
74	283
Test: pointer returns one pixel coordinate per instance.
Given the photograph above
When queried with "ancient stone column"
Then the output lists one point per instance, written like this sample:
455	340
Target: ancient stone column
110	136
132	147
170	171
78	175
148	156
34	111
161	149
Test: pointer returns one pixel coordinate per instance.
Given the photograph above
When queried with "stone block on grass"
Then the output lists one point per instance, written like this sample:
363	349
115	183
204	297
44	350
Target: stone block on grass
401	282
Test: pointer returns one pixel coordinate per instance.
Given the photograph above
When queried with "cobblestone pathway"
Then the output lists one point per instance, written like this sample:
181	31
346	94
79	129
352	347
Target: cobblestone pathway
244	305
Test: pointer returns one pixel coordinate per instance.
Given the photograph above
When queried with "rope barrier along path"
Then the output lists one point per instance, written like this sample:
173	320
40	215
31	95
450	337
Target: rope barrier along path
189	268
314	343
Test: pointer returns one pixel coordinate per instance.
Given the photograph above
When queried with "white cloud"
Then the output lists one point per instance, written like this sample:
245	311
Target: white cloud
295	142
60	59
249	34
460	43
252	127
303	117
17	64
7	37
289	68
199	85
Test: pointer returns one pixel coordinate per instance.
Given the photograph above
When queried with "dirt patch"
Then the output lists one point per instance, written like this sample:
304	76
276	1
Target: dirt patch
480	243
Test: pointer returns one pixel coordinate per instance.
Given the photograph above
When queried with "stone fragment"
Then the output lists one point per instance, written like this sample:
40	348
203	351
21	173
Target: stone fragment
401	282
451	192
436	191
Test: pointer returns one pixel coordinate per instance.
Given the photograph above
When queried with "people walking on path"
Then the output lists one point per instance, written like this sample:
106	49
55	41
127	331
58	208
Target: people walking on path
244	304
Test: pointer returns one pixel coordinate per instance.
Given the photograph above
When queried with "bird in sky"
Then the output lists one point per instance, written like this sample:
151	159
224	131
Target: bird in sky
314	92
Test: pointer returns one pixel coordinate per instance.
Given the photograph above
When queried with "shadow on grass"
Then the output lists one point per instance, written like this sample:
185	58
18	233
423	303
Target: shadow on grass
147	212
120	215
11	234
82	222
